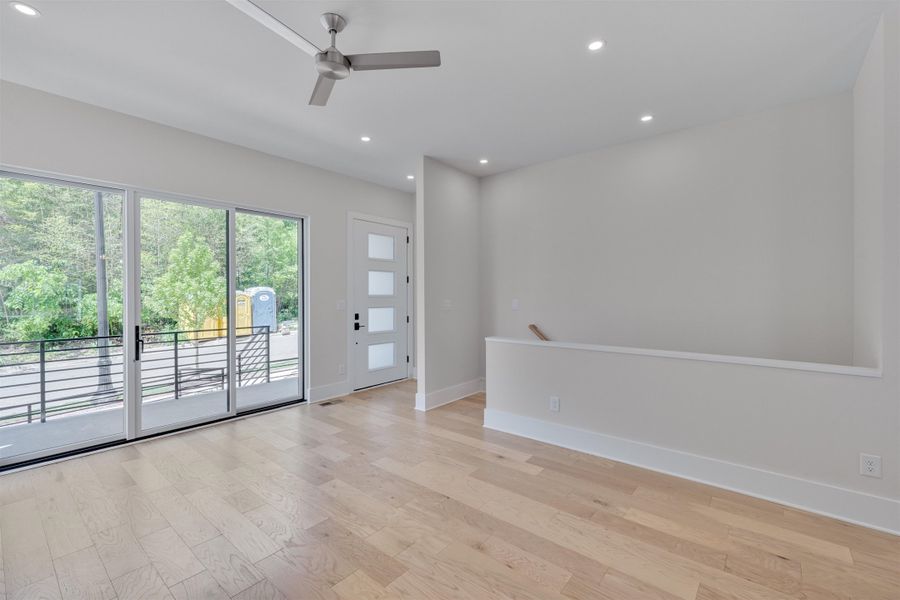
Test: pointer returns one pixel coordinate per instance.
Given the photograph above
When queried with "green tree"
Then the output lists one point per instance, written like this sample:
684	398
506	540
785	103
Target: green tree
34	300
192	286
52	227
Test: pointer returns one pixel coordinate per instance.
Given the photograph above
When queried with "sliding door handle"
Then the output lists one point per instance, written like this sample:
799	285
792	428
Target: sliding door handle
357	326
138	343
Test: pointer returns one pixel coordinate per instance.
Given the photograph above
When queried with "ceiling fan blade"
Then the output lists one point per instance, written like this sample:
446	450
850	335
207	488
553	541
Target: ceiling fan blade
274	25
322	91
394	60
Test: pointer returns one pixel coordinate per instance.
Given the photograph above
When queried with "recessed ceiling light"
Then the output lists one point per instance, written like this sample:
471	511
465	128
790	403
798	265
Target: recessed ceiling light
410	177
646	118
596	45
366	138
483	161
25	9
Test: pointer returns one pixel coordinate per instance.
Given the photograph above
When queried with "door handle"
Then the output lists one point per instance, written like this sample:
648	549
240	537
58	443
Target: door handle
138	342
357	326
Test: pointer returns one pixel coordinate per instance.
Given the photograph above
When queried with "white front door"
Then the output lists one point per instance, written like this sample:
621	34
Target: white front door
378	315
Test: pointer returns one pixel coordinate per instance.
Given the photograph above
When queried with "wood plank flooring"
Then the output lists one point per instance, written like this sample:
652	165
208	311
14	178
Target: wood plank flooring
367	499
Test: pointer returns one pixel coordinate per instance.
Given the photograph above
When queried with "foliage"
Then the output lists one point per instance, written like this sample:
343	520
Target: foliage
192	286
37	295
267	255
48	261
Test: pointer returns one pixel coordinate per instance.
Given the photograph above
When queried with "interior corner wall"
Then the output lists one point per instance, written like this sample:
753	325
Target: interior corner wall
448	326
868	201
733	238
45	132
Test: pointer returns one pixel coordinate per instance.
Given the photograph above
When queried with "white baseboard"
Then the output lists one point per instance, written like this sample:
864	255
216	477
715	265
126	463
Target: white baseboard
327	392
448	394
851	506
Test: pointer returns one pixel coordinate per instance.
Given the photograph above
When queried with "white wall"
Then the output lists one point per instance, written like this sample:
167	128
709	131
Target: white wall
789	435
448	325
733	238
49	133
868	194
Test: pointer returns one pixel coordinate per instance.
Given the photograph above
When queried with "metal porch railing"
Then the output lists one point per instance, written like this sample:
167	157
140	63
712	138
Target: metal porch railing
43	379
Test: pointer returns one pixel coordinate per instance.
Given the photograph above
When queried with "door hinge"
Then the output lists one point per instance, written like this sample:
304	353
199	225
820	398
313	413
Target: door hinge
407	318
407	239
407	358
407	279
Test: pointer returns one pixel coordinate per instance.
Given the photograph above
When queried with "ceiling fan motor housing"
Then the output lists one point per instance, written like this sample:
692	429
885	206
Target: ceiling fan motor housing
332	64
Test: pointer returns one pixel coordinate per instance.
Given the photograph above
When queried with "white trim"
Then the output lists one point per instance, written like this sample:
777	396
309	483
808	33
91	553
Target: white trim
328	391
380	220
718	358
131	369
854	507
448	394
59	182
230	314
410	300
305	306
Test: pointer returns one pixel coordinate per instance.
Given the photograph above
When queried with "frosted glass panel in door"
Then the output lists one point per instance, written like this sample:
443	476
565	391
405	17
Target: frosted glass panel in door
381	283
381	247
381	356
381	319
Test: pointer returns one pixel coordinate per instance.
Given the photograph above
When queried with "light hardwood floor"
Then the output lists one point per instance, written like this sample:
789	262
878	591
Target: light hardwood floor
369	500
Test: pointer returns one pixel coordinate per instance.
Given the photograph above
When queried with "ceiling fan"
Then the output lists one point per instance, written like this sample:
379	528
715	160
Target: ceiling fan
330	63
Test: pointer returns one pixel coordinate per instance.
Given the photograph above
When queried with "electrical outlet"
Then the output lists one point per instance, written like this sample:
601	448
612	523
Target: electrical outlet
554	403
341	369
870	465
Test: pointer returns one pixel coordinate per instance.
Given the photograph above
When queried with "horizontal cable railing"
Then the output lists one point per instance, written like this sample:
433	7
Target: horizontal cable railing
44	379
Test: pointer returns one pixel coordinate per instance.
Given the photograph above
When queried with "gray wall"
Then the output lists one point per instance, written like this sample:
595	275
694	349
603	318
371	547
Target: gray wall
448	316
733	238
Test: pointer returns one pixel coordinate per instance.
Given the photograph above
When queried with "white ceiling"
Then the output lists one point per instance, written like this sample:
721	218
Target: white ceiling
517	84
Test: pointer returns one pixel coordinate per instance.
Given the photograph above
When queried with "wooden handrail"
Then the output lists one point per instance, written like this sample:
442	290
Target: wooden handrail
537	331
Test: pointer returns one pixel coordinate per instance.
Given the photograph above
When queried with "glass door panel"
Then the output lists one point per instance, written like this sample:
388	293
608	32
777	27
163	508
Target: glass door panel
61	289
268	322
184	366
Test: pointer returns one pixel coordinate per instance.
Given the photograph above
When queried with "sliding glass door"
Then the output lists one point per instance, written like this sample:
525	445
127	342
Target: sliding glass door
183	347
127	314
61	290
268	301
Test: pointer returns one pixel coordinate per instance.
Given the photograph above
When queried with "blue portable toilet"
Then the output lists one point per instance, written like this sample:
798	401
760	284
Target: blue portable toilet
262	303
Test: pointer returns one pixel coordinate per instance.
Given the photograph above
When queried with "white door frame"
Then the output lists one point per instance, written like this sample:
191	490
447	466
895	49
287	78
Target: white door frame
410	295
